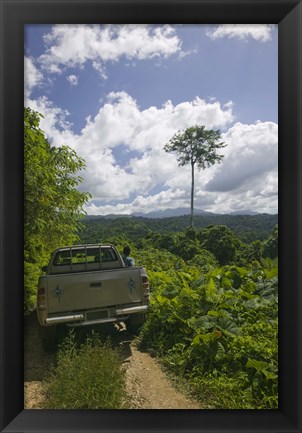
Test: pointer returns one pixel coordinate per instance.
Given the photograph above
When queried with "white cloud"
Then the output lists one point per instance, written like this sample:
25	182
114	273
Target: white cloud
32	76
120	121
251	151
159	201
260	195
55	123
248	176
259	32
70	46
74	45
122	144
183	54
73	80
143	132
128	170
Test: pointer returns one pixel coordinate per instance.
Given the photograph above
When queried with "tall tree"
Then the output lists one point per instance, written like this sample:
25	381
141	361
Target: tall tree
52	202
196	146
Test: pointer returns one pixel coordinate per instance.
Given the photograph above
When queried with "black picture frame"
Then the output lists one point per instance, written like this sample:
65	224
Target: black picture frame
14	15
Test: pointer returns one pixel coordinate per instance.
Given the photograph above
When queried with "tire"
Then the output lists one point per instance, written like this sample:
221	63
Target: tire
49	344
135	322
49	338
61	333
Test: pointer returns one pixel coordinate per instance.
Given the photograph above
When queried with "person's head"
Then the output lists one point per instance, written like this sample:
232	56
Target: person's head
126	251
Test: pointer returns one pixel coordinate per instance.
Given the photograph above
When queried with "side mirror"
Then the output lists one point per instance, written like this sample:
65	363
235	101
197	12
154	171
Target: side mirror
44	268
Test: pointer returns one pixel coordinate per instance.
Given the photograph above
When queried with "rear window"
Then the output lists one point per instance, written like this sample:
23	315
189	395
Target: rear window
62	258
74	257
108	255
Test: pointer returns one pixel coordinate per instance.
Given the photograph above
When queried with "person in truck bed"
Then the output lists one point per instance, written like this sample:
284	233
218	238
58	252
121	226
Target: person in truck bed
129	261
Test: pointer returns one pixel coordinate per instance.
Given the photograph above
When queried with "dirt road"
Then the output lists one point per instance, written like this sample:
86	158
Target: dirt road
146	383
36	364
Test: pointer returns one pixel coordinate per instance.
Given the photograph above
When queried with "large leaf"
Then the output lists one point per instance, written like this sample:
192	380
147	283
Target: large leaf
261	367
205	338
226	324
205	322
220	353
211	291
252	304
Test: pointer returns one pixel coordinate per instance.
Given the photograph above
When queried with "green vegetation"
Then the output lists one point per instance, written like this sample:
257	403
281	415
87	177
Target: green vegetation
52	202
214	312
88	376
214	301
248	228
219	331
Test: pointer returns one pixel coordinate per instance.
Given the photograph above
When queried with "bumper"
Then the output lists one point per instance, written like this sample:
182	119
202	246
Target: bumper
132	310
64	319
80	319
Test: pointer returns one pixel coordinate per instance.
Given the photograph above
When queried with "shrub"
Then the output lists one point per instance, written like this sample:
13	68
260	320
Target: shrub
31	275
220	332
86	377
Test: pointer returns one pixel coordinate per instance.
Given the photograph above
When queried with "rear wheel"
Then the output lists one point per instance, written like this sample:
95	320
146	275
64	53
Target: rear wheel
48	336
135	322
49	344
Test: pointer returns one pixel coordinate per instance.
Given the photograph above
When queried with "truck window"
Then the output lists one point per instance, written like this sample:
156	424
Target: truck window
79	259
78	256
108	255
93	255
62	258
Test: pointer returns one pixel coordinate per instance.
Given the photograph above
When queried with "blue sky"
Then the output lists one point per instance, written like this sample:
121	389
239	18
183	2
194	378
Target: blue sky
117	94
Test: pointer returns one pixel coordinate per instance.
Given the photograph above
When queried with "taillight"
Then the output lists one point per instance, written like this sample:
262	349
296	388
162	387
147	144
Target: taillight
146	287
41	298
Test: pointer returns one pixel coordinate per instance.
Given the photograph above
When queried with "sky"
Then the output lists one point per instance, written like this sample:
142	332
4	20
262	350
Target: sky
116	94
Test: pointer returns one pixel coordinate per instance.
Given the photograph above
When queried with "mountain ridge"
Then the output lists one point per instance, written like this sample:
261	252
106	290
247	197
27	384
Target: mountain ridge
170	212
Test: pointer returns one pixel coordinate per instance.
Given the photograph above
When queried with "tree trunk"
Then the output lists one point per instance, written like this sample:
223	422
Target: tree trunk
192	196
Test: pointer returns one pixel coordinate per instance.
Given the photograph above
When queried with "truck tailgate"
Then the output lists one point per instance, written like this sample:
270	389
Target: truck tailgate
85	290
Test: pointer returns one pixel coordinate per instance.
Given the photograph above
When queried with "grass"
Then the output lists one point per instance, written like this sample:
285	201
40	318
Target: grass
87	376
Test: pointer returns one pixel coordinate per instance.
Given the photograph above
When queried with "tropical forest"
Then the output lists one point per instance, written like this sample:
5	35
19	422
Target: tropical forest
213	319
214	301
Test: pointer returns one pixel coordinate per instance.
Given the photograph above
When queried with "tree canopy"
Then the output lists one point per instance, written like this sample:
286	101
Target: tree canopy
53	206
196	146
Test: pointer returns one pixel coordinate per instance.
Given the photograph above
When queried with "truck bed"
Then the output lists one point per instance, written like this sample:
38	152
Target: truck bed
89	290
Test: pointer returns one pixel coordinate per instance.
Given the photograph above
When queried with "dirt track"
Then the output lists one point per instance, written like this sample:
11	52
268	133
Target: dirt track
147	385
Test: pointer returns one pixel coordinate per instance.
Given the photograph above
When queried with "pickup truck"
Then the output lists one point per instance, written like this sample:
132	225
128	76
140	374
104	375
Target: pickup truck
90	285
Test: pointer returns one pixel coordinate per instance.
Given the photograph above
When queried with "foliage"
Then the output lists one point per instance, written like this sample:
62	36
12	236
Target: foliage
221	242
31	274
247	228
214	305
196	146
204	261
52	202
214	288
270	248
86	377
101	228
219	330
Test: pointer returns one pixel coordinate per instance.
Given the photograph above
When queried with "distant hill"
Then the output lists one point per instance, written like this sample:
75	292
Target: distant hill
167	213
247	227
244	212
